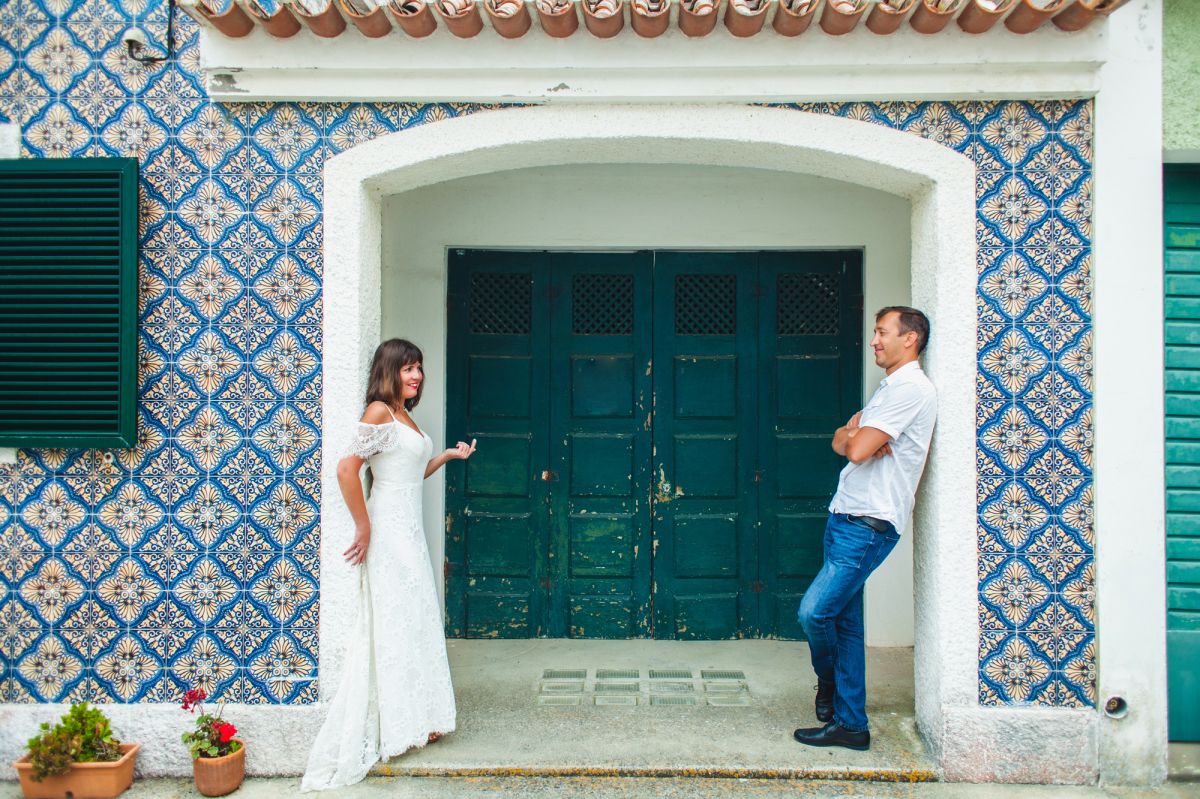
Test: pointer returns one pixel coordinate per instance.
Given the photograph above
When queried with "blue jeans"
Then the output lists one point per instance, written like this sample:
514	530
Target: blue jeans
831	613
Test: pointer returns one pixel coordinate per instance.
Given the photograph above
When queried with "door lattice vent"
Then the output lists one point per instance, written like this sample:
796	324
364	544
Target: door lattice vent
501	303
602	305
705	305
807	304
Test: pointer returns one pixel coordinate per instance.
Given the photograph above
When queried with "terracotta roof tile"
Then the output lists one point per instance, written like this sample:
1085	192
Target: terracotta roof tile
514	19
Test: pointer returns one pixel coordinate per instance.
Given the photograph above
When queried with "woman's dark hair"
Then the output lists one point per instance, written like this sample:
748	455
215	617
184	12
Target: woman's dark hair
384	383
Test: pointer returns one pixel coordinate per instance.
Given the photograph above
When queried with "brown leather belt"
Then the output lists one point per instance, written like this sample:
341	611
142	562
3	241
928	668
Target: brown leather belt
878	525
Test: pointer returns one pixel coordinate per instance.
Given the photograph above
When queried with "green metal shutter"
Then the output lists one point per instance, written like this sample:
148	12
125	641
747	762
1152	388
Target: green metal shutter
1182	240
68	302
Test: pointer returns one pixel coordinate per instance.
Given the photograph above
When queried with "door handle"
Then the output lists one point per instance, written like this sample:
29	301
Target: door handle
548	476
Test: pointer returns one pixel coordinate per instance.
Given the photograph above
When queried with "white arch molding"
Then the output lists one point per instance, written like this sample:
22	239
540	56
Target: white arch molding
970	742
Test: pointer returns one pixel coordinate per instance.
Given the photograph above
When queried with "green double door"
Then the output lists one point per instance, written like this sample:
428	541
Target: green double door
653	439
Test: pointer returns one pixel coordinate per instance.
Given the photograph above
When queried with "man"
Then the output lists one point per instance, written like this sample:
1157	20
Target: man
886	444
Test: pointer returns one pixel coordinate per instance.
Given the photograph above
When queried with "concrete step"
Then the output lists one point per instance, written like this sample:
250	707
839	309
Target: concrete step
810	773
744	700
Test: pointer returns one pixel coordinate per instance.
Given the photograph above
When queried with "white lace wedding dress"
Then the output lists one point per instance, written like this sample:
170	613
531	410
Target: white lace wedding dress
395	686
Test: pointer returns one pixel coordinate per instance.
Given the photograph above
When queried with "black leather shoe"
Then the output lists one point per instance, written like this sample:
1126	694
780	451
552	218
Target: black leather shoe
824	704
834	734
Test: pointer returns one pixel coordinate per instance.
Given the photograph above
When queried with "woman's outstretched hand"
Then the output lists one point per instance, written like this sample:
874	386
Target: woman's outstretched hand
357	551
461	450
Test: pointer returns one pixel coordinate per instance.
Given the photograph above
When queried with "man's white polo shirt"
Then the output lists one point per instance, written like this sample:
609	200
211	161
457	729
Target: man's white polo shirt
905	407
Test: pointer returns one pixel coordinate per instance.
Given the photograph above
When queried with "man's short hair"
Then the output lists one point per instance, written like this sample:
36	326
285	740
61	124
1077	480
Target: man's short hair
911	321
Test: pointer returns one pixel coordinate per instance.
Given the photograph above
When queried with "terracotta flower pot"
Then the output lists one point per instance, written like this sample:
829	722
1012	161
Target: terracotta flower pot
413	17
373	25
218	776
604	18
840	16
980	15
326	23
745	17
461	17
789	22
885	19
557	19
232	22
932	16
1080	14
650	17
1029	15
92	780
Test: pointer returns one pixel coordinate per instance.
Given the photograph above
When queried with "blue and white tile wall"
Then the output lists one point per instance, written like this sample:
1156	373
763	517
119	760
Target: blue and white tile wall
1033	386
193	559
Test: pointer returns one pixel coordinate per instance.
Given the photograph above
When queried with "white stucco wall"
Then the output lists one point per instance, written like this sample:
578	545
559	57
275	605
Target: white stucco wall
10	147
1129	474
596	207
939	186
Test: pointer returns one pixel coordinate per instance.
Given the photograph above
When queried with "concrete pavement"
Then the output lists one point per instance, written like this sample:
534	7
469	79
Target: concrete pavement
643	788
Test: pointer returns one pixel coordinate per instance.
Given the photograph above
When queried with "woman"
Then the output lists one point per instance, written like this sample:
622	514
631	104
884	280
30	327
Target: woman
395	691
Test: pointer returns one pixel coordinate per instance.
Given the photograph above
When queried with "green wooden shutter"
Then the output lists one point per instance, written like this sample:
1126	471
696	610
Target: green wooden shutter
1182	240
68	302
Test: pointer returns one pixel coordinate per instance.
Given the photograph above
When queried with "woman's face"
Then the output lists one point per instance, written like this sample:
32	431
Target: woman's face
411	376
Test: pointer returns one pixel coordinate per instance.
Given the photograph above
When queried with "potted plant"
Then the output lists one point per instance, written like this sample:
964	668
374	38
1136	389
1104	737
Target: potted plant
77	757
218	759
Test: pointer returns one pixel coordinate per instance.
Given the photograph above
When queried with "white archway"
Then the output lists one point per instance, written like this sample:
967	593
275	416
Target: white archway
939	185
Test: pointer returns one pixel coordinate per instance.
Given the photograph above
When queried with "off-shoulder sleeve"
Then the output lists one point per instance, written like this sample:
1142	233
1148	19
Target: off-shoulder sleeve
372	438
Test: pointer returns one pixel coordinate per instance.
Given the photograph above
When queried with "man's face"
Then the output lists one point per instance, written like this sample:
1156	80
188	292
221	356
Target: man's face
890	345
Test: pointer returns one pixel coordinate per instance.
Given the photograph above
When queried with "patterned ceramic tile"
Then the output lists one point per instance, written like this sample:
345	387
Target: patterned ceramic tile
194	557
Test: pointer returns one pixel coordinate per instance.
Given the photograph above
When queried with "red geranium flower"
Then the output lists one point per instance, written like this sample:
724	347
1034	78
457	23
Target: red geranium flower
193	697
226	731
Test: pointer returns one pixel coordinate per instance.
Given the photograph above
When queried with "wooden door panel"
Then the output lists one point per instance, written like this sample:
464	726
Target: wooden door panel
705	387
497	533
602	386
706	466
705	546
600	444
601	465
803	465
705	446
810	322
602	547
500	386
818	380
505	469
499	545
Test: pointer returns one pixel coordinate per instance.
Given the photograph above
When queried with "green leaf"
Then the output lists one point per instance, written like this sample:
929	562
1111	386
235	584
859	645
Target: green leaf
82	735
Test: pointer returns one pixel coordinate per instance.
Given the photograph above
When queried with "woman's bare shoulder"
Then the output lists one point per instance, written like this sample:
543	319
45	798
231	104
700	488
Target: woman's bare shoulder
376	413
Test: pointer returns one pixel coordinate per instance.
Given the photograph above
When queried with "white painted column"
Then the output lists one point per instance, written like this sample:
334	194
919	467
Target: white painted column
10	147
10	141
1129	472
